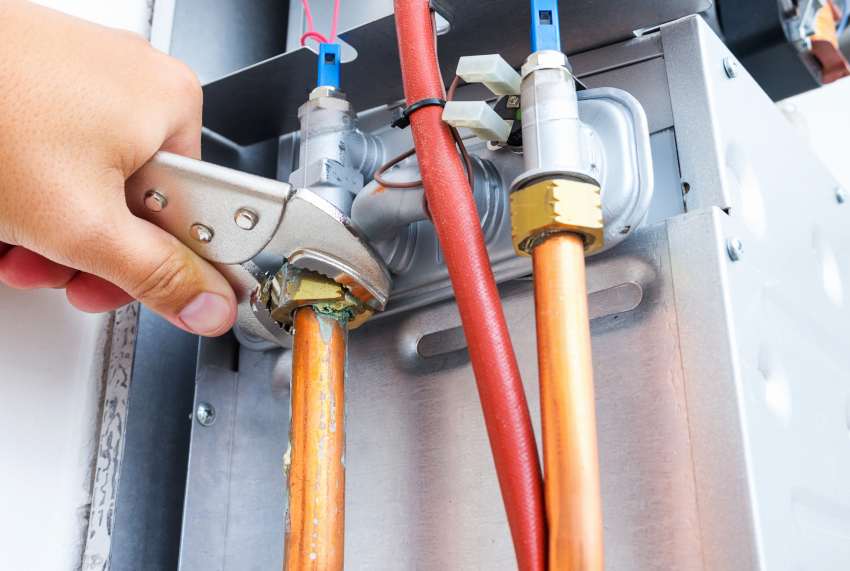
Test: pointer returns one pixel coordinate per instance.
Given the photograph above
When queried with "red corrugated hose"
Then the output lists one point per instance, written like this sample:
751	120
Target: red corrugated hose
455	219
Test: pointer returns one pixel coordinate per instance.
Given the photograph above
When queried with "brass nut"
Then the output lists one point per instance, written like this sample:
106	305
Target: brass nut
556	205
292	288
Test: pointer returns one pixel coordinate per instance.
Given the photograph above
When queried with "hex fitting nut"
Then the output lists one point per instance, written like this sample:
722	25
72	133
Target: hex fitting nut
556	205
292	288
324	97
544	59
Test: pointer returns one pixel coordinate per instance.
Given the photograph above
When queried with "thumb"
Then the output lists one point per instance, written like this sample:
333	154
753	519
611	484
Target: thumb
166	276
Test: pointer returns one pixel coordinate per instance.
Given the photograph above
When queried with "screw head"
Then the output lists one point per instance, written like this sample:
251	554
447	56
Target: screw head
155	201
840	195
513	102
201	233
205	414
246	218
735	249
731	67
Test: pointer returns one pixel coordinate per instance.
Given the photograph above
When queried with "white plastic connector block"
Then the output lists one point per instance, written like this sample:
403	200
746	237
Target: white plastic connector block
491	70
479	118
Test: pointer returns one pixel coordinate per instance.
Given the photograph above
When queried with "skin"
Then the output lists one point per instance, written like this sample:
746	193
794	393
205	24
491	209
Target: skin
82	107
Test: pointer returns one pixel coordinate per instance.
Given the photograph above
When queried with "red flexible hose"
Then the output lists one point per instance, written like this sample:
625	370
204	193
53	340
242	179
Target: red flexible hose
456	221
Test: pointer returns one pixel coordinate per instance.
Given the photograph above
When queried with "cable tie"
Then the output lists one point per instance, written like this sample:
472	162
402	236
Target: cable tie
403	121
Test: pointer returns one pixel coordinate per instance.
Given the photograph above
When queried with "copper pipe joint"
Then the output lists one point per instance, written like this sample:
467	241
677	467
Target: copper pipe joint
315	519
570	458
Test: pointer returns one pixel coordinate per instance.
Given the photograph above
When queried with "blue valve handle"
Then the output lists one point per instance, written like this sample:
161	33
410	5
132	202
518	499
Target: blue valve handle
329	65
545	28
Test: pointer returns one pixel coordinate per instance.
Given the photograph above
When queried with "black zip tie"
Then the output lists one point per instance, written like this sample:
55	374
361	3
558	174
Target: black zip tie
403	121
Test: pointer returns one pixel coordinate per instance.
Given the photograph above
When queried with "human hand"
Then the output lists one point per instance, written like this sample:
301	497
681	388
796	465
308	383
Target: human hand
82	107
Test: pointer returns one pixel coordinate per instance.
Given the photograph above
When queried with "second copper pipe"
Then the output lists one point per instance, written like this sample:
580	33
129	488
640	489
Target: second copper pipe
570	458
315	519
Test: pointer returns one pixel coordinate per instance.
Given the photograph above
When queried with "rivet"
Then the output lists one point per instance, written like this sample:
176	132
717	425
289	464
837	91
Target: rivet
735	249
155	201
246	219
201	233
730	66
205	414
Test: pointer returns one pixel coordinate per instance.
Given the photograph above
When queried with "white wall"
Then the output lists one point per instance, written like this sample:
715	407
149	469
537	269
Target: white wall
49	395
131	15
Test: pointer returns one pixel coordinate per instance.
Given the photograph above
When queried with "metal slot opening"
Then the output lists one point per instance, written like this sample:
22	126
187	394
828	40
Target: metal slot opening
442	343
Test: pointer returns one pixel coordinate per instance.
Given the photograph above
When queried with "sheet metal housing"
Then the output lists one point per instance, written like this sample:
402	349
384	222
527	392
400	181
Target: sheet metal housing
720	394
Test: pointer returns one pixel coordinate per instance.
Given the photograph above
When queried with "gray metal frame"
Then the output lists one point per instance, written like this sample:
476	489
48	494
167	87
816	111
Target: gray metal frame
764	355
721	392
257	102
149	503
721	406
143	445
421	492
234	503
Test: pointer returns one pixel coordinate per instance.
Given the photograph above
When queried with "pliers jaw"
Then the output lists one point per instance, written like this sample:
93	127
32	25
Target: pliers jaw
236	219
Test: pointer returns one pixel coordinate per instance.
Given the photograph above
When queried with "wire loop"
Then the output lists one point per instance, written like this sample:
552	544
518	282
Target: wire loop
311	33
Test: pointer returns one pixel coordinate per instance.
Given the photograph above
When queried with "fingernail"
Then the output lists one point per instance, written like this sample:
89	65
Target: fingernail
206	314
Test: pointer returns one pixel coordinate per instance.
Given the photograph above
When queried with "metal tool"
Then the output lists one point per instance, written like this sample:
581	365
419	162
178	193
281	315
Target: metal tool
250	226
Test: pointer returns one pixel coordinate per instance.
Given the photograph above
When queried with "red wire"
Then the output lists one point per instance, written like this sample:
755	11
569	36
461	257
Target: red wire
311	30
309	15
314	35
458	229
334	21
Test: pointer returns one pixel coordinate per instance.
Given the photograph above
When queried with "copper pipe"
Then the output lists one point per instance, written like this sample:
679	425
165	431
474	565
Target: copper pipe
570	458
316	516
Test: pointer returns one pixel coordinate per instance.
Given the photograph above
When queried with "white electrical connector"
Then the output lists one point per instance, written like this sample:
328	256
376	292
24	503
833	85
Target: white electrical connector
479	118
491	70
